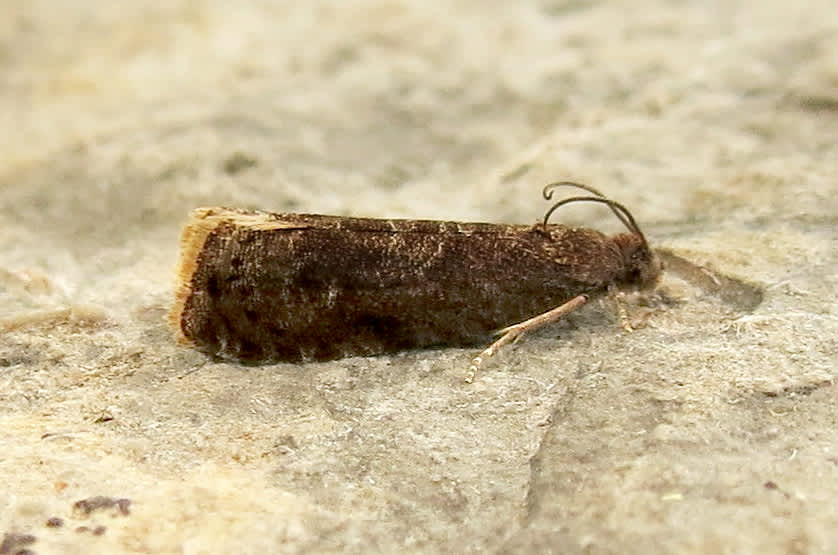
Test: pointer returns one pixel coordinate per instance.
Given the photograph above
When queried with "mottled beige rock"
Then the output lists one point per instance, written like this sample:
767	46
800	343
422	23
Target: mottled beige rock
711	429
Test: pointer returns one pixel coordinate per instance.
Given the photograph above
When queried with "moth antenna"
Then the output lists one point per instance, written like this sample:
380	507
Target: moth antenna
621	211
548	194
548	189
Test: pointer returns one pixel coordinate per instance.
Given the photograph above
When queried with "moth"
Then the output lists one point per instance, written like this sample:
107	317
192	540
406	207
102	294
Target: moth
259	287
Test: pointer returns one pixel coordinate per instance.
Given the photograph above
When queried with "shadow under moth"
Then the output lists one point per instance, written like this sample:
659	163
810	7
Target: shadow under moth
259	287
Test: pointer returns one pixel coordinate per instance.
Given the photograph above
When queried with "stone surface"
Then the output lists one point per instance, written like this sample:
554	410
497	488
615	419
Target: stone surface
711	429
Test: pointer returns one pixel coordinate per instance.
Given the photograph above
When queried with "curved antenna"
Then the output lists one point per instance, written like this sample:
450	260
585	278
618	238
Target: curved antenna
548	189
547	192
622	212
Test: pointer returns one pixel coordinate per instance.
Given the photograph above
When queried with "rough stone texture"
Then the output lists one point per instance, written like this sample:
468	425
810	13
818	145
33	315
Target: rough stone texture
711	430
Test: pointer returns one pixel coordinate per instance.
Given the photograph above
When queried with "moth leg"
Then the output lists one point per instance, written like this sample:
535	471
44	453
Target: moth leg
618	298
513	332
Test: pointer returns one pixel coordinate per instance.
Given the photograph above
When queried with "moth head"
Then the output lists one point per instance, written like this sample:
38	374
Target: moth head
642	266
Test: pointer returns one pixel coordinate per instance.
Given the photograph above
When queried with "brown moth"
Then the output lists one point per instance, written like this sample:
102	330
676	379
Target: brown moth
259	287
